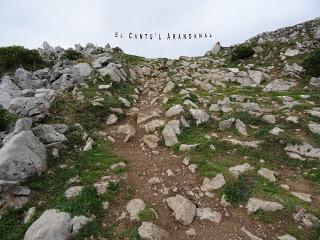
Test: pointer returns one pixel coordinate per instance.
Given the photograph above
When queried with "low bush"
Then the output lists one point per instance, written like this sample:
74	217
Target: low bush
238	191
311	64
13	57
71	54
6	118
242	52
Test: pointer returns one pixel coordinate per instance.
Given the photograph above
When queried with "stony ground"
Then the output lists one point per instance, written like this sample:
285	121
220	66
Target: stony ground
193	148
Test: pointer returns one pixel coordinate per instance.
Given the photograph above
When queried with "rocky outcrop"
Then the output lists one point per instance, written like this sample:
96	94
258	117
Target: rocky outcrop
22	156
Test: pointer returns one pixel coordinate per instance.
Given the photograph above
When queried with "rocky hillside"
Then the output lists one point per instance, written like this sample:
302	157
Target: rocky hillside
99	144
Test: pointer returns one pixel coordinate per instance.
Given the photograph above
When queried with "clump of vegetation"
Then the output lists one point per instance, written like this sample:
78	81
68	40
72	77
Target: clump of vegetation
242	52
311	64
13	57
147	215
71	54
238	191
118	49
6	118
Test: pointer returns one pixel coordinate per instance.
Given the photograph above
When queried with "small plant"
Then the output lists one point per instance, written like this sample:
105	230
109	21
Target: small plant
238	191
6	118
117	49
13	57
311	64
71	54
242	52
147	215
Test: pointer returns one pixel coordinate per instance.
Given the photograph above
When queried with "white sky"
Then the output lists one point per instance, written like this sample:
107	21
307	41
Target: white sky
66	22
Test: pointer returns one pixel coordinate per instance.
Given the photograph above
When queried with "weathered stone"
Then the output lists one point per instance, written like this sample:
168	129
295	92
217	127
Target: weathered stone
199	115
48	134
184	210
170	132
236	171
279	85
207	214
268	174
73	191
134	207
215	183
303	196
22	156
226	124
151	140
255	204
150	231
174	111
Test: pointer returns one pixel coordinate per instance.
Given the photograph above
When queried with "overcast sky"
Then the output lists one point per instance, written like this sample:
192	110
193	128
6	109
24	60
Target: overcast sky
66	22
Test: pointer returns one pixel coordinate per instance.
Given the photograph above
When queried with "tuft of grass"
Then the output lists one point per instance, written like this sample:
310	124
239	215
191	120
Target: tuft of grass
6	118
71	54
238	191
147	215
311	63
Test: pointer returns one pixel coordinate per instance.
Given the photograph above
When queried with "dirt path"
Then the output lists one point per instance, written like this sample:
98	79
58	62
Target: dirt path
145	163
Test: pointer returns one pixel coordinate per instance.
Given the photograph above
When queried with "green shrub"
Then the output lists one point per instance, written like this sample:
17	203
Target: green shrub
311	63
242	52
14	57
71	54
118	50
238	191
6	118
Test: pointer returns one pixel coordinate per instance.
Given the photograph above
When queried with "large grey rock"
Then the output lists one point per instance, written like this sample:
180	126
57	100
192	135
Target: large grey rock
8	91
55	225
215	183
208	214
170	132
314	127
52	225
134	207
226	123
174	111
115	71
184	210
101	60
150	231
82	69
25	80
255	204
33	107
279	85
22	156
216	49
199	115
22	124
48	134
300	151
236	171
315	82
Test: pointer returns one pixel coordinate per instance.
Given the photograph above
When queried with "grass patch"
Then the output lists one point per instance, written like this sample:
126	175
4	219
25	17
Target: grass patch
238	191
147	215
71	54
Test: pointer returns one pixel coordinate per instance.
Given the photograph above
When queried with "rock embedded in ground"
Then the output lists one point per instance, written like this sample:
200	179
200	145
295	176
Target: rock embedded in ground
55	225
151	141
174	111
112	119
170	132
184	210
241	127
150	231
127	130
22	156
279	85
48	134
303	196
199	115
134	207
208	214
187	147
268	174
73	191
226	124
286	237
215	183
236	171
255	204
